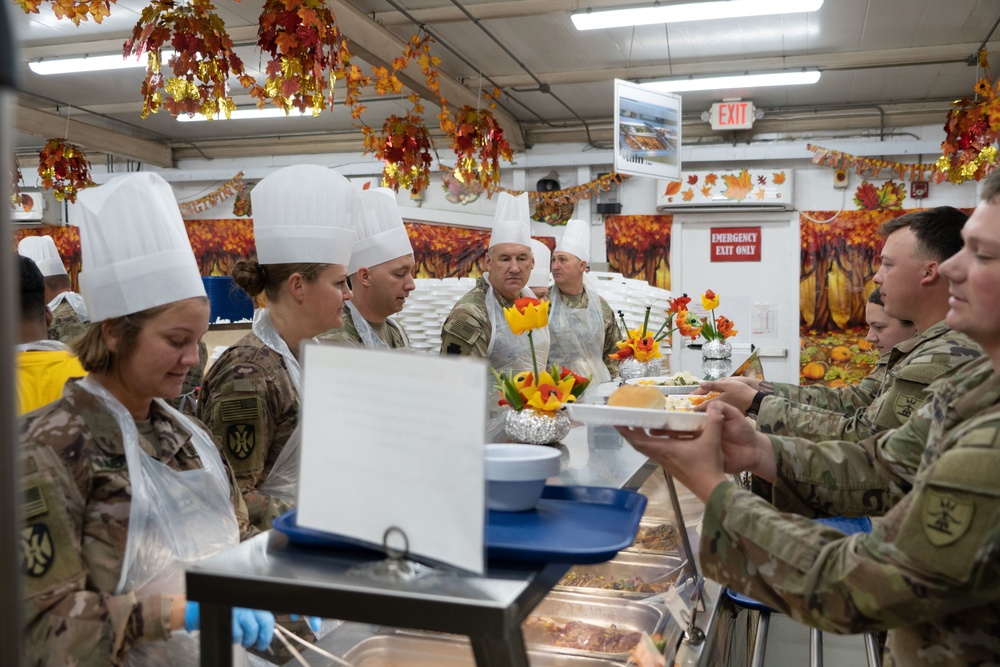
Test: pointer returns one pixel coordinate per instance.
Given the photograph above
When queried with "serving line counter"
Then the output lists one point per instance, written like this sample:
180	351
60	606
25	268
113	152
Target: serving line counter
266	572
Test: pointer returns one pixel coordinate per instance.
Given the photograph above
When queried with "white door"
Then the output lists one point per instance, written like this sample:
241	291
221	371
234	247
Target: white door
760	296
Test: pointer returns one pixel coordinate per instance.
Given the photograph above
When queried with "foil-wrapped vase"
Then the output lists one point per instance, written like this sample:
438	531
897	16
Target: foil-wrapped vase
536	428
631	368
716	359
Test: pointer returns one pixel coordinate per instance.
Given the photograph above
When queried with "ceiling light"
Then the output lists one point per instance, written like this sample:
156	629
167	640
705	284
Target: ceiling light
737	81
692	11
89	63
249	114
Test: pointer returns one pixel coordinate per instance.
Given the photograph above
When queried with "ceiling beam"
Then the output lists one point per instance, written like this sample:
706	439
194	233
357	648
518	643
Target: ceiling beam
497	10
47	125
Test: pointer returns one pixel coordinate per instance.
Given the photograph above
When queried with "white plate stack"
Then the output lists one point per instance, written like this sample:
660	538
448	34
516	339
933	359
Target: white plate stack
631	297
427	307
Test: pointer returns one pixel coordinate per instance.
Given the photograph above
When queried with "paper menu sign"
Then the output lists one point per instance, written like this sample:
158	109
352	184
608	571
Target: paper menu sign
395	440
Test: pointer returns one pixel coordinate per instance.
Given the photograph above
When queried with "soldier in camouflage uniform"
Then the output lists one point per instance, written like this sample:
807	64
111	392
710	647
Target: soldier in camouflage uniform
928	572
250	395
911	289
103	571
69	312
381	272
582	324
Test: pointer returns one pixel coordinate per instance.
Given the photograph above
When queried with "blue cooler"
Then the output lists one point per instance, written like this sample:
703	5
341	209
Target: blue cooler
228	301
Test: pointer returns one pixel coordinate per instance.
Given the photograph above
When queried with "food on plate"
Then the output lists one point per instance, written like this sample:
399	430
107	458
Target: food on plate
631	584
662	537
698	399
686	403
637	396
578	635
682	379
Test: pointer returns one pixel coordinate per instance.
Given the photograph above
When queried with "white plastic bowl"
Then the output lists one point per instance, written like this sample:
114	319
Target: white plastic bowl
516	474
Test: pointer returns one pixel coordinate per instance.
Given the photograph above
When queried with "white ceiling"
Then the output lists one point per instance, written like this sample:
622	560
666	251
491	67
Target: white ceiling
886	64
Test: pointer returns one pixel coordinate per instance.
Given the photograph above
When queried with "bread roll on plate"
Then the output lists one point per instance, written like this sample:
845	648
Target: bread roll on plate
638	396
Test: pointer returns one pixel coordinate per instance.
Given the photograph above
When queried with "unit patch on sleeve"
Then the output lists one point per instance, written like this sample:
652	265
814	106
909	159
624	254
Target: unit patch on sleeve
946	518
905	406
240	439
38	550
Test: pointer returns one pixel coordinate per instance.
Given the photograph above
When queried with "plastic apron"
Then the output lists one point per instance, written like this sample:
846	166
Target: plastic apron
176	518
508	353
75	300
578	343
41	346
283	480
369	338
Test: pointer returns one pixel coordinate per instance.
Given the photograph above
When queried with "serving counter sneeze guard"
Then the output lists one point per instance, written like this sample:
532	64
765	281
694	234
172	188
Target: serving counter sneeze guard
268	572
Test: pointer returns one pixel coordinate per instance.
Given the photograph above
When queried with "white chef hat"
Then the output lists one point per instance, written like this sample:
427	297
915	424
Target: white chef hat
135	250
576	239
381	234
512	221
542	273
42	251
304	214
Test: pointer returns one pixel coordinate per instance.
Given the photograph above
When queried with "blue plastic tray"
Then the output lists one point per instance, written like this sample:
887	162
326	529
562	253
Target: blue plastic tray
570	524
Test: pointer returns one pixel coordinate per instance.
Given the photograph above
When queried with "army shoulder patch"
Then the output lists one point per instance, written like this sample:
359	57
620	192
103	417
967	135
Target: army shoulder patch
904	406
241	440
38	549
945	518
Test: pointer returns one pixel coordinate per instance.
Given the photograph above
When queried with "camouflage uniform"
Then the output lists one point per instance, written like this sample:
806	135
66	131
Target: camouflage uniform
250	404
77	498
390	332
66	324
467	328
928	570
612	334
187	402
911	366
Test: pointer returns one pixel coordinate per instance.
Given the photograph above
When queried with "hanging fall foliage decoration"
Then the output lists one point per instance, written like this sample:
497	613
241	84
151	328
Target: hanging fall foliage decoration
972	130
74	10
203	59
478	141
308	55
15	183
404	143
64	169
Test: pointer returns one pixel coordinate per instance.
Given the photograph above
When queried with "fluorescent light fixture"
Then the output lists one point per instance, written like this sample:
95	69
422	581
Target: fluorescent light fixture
692	11
737	81
248	114
89	64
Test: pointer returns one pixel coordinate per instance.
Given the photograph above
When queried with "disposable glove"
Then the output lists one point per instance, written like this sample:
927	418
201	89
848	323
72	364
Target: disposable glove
191	616
315	622
253	628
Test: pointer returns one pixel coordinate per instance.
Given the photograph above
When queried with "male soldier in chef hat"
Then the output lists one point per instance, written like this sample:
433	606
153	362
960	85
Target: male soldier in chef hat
582	324
476	325
69	312
541	275
381	272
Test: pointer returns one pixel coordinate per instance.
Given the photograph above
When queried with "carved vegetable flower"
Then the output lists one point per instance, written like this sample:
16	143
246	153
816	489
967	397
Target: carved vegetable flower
527	314
709	300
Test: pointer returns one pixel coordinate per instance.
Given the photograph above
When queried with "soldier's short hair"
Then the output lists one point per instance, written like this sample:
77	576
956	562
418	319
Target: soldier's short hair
938	230
57	283
93	352
32	290
255	277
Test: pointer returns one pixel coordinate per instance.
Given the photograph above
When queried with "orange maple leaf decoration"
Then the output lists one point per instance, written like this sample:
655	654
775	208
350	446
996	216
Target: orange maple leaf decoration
760	193
779	178
737	187
688	194
673	187
706	191
711	179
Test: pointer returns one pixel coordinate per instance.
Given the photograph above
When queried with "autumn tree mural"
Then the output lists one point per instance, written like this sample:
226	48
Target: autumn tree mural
639	247
219	244
441	251
67	240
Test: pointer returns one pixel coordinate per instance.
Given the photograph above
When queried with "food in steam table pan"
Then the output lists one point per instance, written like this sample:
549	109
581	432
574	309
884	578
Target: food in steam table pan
631	584
682	379
578	635
662	537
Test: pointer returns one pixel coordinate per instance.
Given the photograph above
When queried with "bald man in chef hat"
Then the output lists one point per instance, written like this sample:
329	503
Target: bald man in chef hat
541	275
581	322
69	312
381	272
476	325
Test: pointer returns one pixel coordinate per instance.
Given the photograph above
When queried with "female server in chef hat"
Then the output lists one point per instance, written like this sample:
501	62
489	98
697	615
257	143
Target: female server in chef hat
304	232
122	491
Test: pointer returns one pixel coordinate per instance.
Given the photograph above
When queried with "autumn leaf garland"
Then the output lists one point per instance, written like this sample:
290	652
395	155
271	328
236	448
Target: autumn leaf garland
74	10
64	169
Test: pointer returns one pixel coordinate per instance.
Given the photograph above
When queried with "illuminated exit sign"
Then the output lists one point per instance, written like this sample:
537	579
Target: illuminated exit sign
735	115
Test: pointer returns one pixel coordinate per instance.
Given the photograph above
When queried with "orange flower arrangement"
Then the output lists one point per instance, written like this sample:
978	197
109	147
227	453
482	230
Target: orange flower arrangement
715	328
972	130
64	169
644	346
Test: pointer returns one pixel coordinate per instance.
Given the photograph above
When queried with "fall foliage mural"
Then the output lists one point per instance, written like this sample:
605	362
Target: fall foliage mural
219	244
67	240
639	247
441	251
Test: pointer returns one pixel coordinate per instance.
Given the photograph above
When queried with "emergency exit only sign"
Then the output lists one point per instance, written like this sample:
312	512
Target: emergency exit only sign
732	115
735	244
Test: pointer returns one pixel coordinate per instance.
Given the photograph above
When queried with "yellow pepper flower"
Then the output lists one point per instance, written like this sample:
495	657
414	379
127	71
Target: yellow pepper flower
526	315
709	300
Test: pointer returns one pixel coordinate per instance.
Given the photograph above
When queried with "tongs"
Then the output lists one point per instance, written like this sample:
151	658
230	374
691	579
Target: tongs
283	634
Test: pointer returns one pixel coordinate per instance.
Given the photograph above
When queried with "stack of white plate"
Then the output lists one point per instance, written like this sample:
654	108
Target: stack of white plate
427	307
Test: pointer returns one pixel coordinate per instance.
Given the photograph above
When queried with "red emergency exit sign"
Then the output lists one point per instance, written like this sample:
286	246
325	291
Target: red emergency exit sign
736	115
735	244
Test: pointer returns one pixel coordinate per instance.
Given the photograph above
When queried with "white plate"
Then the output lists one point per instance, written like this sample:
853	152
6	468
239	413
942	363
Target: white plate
612	415
665	389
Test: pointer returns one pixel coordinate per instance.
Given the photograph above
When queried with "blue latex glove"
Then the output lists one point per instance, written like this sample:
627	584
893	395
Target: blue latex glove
315	622
253	628
192	617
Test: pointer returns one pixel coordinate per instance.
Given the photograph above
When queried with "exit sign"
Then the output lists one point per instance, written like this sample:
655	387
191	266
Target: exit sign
736	115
